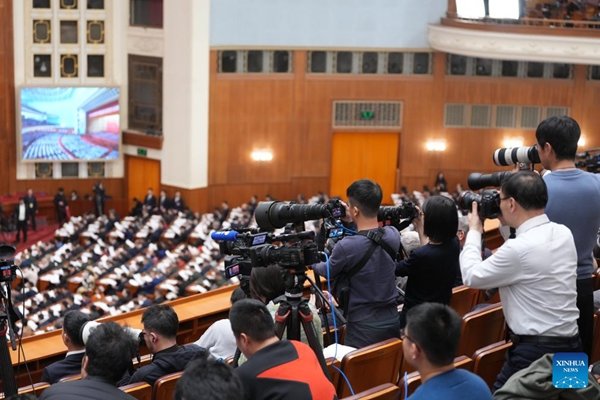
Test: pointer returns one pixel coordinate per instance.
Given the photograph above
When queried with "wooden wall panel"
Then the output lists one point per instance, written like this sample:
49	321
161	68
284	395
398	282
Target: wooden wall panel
298	111
7	101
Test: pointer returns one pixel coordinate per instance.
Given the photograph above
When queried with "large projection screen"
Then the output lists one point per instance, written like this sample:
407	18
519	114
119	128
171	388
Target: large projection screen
69	123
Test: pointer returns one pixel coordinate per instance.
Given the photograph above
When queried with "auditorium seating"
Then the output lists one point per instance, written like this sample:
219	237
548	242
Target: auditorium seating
489	360
463	299
164	387
481	328
333	367
382	361
139	390
36	389
387	391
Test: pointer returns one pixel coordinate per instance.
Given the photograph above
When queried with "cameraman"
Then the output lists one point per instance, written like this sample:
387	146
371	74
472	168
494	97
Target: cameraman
535	274
573	198
160	335
372	307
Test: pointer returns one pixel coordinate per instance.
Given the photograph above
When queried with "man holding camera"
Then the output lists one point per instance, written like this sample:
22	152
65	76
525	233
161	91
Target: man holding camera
367	262
573	198
535	274
160	335
108	354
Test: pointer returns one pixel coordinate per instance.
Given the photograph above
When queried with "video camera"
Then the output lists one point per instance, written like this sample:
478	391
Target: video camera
8	269
250	250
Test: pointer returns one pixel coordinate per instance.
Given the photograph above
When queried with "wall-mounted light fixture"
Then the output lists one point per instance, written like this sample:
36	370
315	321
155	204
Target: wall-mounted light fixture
581	142
435	145
261	155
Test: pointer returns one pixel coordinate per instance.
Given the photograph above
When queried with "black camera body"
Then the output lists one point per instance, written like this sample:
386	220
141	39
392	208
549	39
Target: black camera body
398	216
488	203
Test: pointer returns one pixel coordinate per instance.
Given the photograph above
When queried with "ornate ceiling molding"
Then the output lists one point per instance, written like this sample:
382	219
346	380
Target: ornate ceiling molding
513	46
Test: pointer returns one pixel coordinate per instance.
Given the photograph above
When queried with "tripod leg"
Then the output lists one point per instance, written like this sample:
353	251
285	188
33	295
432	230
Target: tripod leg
311	335
281	319
6	369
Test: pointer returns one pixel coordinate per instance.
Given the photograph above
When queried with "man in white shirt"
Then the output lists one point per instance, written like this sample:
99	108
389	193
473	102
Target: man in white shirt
535	273
21	217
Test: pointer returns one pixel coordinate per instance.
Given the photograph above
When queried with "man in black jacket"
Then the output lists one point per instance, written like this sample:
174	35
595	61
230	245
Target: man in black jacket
160	335
71	364
108	354
32	208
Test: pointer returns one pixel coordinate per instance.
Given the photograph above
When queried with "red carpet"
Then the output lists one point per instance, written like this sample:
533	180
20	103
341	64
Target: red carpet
43	233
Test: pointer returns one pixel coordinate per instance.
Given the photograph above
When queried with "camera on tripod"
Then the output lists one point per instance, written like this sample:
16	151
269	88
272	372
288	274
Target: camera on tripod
8	269
250	249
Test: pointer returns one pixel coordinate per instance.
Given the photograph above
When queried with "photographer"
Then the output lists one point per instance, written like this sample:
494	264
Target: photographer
573	198
372	306
535	274
433	268
160	335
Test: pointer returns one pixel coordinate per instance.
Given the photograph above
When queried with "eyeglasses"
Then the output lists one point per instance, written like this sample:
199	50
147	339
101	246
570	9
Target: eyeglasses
403	335
505	198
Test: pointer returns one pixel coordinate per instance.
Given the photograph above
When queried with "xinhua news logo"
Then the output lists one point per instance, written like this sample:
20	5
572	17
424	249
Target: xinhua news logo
570	370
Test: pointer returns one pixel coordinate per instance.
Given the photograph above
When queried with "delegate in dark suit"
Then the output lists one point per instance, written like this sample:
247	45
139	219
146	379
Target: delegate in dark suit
70	365
32	207
91	388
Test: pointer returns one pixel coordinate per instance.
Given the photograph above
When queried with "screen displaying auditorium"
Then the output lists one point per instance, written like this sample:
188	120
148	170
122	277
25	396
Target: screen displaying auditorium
69	123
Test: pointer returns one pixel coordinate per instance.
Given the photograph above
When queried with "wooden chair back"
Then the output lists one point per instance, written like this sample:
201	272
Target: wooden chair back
164	387
332	366
481	328
464	362
387	391
382	361
70	378
489	361
139	390
35	389
463	299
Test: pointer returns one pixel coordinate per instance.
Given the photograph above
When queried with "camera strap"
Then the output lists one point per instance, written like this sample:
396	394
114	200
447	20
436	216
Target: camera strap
377	237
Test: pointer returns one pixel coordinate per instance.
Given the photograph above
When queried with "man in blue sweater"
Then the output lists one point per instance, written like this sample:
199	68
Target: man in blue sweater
573	198
430	341
372	312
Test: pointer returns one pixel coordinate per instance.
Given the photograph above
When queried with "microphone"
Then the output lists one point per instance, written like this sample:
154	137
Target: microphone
226	236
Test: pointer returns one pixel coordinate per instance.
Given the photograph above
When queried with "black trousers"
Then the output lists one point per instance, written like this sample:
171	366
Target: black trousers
521	355
22	227
585	303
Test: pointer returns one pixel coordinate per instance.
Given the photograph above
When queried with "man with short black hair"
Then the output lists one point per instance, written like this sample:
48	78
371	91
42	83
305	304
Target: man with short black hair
275	369
371	311
205	379
430	341
573	198
108	354
535	274
71	336
160	335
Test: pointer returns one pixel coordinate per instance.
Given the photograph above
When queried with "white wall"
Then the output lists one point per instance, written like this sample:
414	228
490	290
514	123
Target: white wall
324	23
